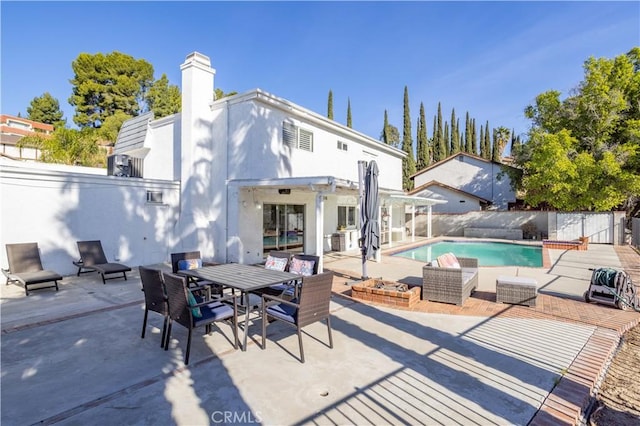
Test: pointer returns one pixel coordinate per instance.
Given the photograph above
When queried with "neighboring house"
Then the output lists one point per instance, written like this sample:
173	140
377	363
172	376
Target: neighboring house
12	129
468	183
258	172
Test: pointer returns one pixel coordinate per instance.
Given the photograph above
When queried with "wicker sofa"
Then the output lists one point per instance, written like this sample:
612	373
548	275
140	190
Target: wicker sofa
450	285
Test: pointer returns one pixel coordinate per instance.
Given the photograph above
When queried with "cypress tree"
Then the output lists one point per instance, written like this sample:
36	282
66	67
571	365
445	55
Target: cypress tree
385	128
482	147
330	105
422	159
487	141
474	137
442	150
447	142
349	123
408	163
468	147
455	135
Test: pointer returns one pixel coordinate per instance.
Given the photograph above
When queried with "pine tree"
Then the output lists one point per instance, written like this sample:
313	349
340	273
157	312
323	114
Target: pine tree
423	156
330	105
408	163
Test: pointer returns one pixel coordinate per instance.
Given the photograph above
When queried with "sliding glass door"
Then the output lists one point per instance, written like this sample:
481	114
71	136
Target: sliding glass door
283	227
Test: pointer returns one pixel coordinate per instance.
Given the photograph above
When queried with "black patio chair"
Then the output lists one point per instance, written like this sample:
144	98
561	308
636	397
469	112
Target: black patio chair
25	267
155	298
192	315
311	306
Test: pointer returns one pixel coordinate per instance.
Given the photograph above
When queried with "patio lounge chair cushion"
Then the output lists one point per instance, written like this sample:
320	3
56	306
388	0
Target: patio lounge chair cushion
301	267
92	257
448	260
276	263
187	264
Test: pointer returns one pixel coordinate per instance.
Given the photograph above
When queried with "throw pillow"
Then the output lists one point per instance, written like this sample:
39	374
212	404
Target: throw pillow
186	264
301	267
448	260
276	263
192	302
434	263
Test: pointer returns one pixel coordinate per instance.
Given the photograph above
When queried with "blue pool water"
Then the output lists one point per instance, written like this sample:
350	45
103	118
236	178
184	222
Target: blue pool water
487	253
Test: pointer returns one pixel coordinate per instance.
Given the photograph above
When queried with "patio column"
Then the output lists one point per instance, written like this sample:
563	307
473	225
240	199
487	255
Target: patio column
320	230
413	222
429	208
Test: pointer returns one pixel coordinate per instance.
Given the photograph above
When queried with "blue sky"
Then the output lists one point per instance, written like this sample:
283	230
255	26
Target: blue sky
488	58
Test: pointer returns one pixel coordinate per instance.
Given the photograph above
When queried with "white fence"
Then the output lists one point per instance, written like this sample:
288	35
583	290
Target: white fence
603	228
56	208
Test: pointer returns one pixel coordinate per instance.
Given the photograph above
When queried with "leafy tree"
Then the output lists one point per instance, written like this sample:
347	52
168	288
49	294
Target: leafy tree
163	98
68	146
330	105
109	131
219	93
596	132
349	121
46	109
408	163
104	84
423	157
390	134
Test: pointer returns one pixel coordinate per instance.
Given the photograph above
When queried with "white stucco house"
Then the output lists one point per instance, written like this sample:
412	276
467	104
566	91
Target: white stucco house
233	178
467	182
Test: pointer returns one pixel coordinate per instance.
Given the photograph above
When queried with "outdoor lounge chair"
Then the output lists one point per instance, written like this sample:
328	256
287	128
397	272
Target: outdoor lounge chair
92	258
311	306
155	298
450	285
25	267
193	314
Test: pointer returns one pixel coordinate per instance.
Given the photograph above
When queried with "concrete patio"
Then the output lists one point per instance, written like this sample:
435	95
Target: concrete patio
76	356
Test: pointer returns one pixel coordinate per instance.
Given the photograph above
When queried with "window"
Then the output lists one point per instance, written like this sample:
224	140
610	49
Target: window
154	197
342	146
346	216
296	137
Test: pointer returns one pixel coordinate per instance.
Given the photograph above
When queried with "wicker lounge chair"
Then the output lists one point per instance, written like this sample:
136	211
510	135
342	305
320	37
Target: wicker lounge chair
450	285
312	305
92	258
25	267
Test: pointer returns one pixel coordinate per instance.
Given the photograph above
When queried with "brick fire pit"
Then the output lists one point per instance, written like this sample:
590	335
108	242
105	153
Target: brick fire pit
386	293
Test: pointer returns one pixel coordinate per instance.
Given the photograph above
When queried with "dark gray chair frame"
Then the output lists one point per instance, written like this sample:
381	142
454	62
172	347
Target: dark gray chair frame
92	258
313	305
176	287
155	298
25	267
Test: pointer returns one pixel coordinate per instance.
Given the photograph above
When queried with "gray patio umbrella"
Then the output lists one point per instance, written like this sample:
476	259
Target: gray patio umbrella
369	214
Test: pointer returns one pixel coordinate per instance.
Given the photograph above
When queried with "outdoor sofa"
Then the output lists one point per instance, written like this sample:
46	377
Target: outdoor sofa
450	284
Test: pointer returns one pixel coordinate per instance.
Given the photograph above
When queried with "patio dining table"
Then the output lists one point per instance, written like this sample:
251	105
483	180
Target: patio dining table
245	278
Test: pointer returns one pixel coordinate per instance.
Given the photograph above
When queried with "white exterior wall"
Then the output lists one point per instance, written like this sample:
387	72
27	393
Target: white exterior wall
161	161
57	208
456	202
471	175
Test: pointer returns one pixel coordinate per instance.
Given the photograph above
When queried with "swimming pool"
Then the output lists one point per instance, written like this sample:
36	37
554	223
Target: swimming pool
488	253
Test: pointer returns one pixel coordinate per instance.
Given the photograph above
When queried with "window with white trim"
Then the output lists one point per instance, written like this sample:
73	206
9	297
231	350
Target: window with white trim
154	197
342	146
346	216
295	137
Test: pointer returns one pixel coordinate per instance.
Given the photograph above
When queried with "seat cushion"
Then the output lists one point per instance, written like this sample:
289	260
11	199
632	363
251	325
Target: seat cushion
467	275
36	277
111	268
276	263
188	264
218	312
301	267
284	312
